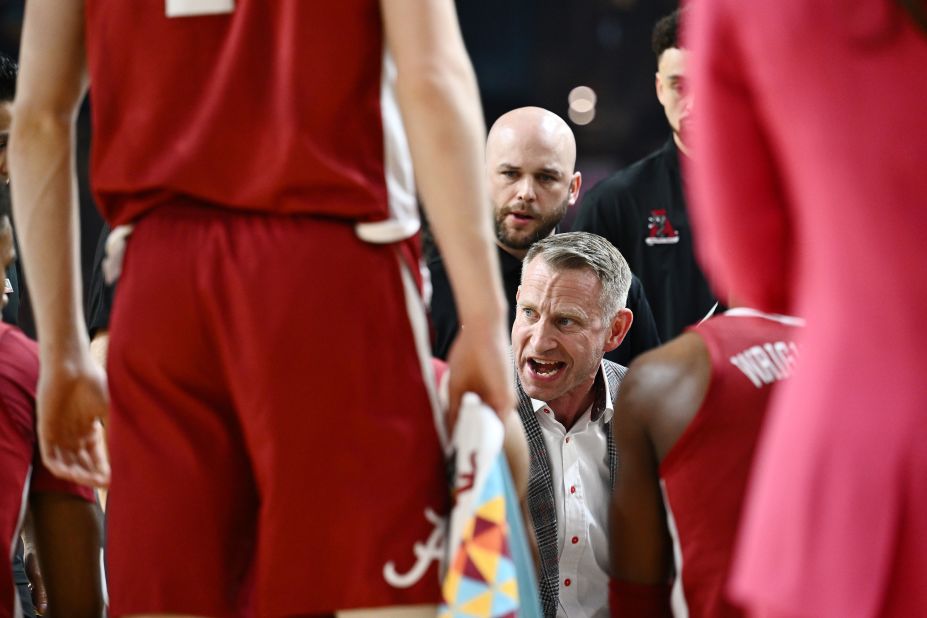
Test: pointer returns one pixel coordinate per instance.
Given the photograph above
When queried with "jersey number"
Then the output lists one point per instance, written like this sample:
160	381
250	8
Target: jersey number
190	8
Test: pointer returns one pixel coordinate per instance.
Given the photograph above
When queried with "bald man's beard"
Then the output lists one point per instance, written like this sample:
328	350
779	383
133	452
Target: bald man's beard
543	225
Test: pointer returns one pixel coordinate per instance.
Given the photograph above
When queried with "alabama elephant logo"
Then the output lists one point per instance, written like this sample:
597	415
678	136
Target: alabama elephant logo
660	229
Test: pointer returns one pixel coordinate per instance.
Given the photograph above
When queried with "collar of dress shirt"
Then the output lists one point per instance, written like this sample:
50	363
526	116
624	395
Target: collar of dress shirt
602	408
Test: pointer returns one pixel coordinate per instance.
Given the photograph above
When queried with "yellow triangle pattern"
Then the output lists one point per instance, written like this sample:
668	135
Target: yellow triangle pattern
451	584
478	606
492	510
510	588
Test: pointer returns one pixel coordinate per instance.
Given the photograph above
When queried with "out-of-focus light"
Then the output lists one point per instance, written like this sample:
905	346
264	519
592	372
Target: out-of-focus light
581	118
582	106
582	93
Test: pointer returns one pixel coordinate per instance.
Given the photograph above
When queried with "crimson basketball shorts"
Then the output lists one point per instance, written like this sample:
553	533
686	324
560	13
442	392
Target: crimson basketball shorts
274	447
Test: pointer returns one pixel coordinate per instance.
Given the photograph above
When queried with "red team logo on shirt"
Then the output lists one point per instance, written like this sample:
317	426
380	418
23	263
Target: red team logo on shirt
662	231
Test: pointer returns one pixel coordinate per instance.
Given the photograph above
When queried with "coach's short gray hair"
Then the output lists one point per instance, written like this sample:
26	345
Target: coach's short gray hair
578	250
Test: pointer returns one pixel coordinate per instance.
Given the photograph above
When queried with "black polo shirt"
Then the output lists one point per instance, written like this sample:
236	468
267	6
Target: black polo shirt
642	336
642	211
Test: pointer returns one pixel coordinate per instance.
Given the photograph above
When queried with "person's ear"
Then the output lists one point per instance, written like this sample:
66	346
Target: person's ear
575	183
618	329
659	87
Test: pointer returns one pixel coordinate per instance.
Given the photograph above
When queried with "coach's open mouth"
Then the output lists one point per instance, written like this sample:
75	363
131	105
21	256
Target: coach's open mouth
545	368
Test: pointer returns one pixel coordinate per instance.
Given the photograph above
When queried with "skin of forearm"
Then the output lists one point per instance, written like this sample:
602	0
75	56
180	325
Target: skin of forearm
42	169
446	131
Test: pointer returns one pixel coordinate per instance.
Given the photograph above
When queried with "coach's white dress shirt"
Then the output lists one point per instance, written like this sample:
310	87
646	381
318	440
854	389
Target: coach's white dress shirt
579	469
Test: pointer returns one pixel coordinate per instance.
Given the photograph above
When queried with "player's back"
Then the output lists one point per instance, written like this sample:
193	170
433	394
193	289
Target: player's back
705	472
281	106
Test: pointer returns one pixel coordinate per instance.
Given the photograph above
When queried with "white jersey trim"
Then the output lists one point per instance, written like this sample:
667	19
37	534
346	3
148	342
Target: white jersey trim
678	603
747	312
403	221
418	320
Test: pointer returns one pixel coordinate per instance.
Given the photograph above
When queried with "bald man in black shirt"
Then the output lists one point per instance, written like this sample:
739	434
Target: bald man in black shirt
530	166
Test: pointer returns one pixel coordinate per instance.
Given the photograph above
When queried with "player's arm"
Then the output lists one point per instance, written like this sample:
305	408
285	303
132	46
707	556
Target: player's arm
31	565
441	110
72	394
738	202
67	536
659	398
640	545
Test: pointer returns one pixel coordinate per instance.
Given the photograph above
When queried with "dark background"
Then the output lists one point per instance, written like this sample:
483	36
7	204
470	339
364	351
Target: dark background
526	52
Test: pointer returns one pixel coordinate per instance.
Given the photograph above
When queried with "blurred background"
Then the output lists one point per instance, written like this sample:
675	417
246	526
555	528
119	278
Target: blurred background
526	52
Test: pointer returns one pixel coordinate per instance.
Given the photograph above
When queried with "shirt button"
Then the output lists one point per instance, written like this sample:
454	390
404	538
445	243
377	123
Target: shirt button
568	440
567	581
575	540
573	489
546	411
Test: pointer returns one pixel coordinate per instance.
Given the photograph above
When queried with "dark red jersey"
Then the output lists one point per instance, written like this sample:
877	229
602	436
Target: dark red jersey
21	469
705	473
19	375
282	106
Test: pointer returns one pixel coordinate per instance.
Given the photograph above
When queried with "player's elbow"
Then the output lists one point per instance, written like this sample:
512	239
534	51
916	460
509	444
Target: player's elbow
646	379
34	124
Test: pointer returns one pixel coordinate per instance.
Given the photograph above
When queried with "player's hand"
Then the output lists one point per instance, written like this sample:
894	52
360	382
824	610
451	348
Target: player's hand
479	363
36	583
72	404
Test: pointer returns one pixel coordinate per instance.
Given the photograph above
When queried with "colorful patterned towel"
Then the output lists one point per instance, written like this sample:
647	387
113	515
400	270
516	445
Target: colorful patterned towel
490	572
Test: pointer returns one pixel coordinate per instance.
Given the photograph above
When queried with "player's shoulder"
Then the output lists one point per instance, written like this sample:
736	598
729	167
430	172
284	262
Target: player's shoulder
19	356
14	343
678	367
749	324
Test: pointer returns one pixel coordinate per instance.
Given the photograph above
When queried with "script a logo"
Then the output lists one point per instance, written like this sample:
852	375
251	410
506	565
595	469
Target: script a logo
425	553
434	548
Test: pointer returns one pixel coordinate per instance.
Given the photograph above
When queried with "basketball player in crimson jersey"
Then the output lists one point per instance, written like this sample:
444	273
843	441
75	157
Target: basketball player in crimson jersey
259	464
688	418
61	516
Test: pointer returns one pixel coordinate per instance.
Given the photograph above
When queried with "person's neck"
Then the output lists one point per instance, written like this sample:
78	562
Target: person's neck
570	407
518	254
680	146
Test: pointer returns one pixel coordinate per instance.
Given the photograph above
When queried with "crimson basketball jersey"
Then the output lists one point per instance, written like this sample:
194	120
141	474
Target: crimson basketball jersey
282	106
705	474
